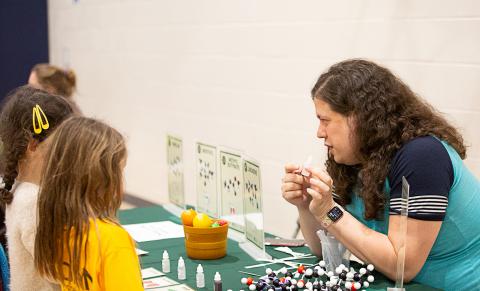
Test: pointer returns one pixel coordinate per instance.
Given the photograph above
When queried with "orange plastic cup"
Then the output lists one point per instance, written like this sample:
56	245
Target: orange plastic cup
206	243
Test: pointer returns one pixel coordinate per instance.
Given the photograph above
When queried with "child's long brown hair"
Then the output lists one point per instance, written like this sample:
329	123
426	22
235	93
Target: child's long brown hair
82	180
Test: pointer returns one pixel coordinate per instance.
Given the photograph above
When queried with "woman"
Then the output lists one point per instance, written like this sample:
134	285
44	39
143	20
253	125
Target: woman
377	131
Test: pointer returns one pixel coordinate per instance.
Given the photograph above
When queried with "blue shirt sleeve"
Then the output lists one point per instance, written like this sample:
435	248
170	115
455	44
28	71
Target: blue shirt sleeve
426	165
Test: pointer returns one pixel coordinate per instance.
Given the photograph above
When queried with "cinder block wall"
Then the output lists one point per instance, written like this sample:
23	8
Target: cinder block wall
238	74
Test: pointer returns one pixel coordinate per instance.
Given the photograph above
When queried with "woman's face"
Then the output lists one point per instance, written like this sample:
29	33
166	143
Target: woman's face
337	132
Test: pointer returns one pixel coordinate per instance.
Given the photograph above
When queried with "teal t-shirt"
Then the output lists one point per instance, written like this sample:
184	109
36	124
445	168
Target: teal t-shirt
454	260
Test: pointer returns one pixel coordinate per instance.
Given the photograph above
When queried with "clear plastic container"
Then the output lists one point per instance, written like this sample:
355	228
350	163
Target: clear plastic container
334	252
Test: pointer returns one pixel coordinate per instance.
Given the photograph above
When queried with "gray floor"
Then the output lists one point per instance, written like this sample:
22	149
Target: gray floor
131	201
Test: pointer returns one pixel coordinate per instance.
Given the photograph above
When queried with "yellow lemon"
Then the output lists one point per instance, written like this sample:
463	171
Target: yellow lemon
202	220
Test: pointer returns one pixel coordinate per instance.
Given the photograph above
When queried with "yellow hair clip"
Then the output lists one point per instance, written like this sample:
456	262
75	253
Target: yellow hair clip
39	119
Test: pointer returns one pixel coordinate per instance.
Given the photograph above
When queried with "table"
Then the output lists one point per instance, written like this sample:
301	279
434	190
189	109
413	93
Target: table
235	260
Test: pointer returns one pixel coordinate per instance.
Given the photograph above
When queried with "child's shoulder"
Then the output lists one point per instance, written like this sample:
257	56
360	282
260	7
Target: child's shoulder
115	233
26	187
105	226
25	194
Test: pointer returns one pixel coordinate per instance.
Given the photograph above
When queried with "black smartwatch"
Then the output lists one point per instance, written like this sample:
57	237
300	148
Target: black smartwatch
332	216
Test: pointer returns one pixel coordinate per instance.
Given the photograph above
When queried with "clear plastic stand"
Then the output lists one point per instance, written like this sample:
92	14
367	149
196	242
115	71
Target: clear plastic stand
403	234
173	209
254	251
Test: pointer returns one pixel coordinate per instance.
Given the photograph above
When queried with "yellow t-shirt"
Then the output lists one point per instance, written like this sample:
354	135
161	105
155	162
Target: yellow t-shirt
112	263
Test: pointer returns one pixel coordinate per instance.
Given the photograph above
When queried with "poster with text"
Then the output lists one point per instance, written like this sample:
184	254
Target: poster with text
206	179
253	203
231	184
176	193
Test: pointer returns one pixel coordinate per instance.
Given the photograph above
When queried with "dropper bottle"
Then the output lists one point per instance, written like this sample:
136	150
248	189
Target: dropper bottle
165	262
181	269
200	277
217	282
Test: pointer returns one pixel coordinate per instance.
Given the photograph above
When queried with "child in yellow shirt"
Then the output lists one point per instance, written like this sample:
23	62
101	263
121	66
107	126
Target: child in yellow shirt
79	242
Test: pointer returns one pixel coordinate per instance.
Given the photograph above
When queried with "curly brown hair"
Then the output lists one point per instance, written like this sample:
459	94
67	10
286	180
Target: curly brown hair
387	114
16	128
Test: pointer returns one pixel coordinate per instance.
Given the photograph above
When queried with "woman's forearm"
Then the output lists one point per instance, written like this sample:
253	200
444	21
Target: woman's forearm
309	227
368	245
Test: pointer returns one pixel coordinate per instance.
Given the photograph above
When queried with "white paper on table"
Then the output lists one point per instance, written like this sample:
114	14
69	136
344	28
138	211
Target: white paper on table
182	287
140	252
151	272
154	230
158	282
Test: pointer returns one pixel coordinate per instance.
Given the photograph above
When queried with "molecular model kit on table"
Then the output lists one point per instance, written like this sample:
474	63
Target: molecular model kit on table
313	278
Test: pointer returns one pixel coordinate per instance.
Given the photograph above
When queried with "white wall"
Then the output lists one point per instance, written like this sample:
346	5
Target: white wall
238	73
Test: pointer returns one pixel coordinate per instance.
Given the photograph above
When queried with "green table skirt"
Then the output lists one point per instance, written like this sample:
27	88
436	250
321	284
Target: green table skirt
235	260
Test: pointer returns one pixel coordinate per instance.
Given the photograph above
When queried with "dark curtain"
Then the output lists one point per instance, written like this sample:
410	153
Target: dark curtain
23	40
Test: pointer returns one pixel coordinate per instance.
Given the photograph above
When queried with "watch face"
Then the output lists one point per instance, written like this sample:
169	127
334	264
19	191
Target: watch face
335	213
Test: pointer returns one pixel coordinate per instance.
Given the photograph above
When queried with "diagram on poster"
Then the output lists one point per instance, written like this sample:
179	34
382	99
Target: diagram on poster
231	178
207	179
253	203
175	170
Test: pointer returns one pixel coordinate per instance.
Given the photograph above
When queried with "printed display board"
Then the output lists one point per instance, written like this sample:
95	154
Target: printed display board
206	179
231	185
176	193
253	203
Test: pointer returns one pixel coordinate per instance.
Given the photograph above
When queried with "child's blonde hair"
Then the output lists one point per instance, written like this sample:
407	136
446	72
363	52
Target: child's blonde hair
82	180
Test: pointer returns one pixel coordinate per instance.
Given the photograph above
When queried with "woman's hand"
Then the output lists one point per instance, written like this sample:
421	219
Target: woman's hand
320	190
294	187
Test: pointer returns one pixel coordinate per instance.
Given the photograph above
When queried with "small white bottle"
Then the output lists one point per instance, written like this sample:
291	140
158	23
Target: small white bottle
200	277
165	262
181	269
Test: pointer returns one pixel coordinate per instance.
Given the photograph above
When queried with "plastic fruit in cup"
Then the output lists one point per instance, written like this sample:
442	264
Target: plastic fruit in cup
222	222
202	220
188	216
